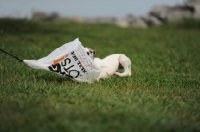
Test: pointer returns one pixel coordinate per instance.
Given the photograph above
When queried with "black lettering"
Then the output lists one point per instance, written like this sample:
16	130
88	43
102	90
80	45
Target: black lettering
75	58
77	73
83	69
65	62
56	68
68	68
67	71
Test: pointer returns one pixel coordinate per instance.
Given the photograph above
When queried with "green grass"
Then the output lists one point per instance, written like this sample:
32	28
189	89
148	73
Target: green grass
163	93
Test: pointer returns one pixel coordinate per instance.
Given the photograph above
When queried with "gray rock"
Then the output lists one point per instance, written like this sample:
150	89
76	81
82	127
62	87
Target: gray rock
52	16
107	20
39	16
192	2
179	12
76	18
131	21
195	5
122	22
151	20
45	16
101	20
160	12
166	13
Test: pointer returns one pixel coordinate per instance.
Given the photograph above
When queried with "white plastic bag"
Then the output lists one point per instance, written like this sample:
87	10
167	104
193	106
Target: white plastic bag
70	60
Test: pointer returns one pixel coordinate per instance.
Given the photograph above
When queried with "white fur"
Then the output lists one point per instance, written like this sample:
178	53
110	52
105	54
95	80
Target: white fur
111	63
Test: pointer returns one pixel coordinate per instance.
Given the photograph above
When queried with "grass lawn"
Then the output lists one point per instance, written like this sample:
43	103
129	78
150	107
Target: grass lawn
163	93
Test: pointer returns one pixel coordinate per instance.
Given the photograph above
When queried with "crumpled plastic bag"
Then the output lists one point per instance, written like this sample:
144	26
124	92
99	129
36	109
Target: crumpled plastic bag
70	60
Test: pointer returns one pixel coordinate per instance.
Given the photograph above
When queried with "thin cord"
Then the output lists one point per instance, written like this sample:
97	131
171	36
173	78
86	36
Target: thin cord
12	55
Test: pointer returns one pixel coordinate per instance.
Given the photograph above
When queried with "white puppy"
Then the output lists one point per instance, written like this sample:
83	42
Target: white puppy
110	64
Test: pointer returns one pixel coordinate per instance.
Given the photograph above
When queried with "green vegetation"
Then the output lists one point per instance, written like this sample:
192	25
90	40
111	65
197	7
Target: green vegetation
163	93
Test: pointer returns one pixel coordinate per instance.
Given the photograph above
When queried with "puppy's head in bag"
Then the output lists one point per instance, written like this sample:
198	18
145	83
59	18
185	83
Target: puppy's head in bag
90	52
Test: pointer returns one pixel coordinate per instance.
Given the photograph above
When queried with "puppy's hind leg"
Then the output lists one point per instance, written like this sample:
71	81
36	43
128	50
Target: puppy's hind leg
125	62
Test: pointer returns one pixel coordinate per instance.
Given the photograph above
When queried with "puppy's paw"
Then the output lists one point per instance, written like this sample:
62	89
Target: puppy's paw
122	74
117	74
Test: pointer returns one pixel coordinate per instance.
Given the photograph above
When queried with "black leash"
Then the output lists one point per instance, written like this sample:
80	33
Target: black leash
12	55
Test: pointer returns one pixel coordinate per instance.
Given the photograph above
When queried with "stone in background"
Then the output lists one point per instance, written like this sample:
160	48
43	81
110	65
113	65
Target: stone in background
159	15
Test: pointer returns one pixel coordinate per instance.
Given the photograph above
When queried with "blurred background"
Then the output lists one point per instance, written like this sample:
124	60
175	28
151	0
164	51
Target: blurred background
124	13
84	8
